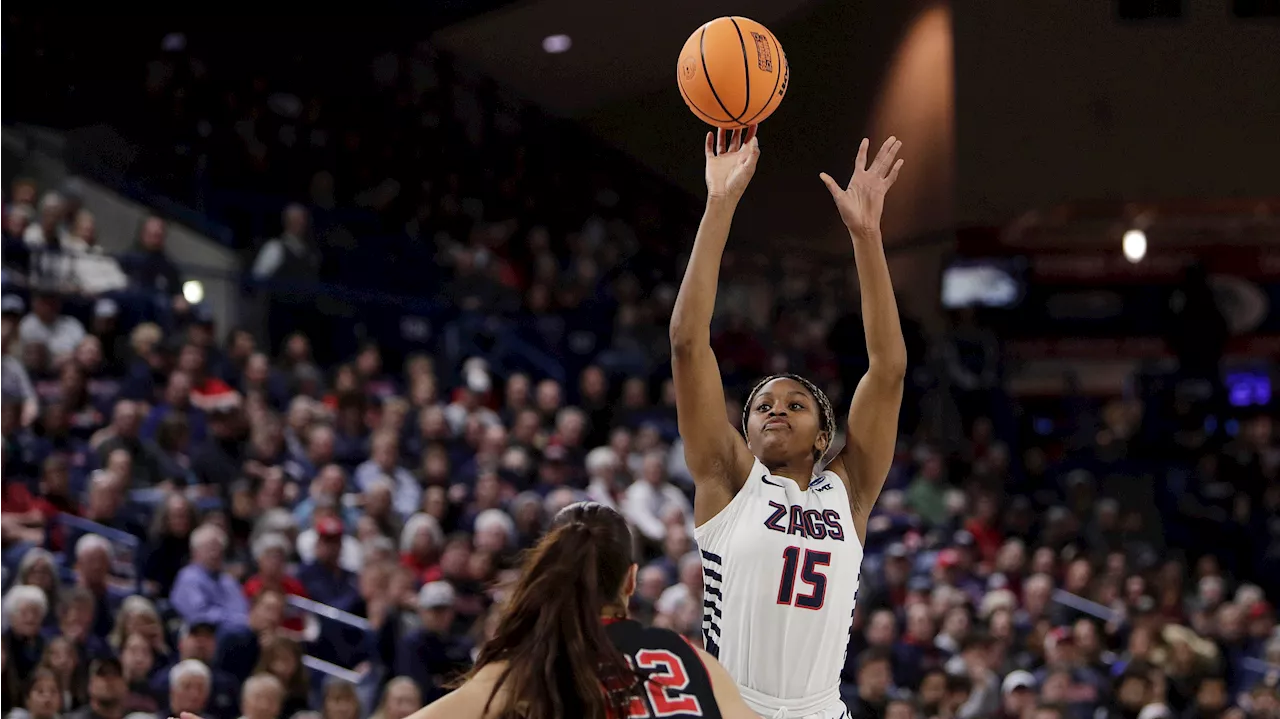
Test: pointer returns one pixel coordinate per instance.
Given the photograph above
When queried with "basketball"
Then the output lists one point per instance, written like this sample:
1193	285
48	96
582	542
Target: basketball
732	72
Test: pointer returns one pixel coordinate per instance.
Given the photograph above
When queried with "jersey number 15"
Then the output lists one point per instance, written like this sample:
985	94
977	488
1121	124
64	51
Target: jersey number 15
810	573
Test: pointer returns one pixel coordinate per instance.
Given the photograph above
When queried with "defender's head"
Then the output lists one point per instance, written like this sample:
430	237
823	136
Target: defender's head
786	418
615	567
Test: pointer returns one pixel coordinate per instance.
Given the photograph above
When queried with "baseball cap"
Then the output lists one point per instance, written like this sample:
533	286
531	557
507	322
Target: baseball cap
201	625
1259	610
555	452
1017	680
1061	635
435	595
106	307
948	558
105	667
13	305
329	527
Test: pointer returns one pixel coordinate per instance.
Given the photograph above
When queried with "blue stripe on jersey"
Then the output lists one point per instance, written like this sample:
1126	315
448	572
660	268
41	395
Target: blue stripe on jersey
712	606
712	557
712	648
711	574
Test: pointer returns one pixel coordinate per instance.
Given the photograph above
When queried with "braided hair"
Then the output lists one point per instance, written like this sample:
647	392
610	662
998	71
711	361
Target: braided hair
826	422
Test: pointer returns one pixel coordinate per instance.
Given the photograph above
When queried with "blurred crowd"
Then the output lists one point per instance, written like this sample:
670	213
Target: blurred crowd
237	524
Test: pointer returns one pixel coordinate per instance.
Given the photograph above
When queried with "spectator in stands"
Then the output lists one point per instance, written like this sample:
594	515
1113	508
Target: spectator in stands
875	678
290	261
93	572
202	592
150	269
124	434
271	553
39	569
16	383
340	700
25	608
46	325
652	499
197	644
23	521
190	684
262	697
325	579
50	231
351	554
177	400
430	654
107	691
42	697
282	658
169	546
400	698
384	462
61	658
138	660
420	545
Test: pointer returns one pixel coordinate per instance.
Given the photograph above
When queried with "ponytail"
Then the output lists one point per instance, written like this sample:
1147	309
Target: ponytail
560	660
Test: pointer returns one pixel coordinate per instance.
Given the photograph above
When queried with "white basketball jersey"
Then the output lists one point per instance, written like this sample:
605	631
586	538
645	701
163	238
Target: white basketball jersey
780	569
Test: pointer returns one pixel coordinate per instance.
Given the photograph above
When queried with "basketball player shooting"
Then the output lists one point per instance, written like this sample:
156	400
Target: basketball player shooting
781	540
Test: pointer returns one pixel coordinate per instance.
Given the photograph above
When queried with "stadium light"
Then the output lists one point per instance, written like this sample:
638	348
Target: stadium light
556	44
193	291
1134	245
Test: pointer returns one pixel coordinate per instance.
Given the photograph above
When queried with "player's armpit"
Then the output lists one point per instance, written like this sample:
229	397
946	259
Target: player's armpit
716	454
871	438
728	698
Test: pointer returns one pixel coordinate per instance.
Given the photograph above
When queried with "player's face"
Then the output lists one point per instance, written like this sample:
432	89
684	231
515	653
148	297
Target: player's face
783	422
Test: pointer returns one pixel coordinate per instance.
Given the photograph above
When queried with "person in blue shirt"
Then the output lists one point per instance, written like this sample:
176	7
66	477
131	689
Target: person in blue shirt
204	593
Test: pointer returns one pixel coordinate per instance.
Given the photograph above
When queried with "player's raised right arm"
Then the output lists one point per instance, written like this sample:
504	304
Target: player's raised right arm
716	454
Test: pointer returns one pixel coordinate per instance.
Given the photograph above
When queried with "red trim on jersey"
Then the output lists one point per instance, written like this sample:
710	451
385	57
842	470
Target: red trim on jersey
699	656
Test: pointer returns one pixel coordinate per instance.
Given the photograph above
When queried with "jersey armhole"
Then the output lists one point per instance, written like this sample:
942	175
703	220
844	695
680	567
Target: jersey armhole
712	525
701	661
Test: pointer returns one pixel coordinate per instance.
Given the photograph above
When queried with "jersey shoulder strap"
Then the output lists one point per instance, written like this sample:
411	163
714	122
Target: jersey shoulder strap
676	682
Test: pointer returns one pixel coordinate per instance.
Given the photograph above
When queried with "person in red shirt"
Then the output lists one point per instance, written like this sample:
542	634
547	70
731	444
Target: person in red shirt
207	392
271	552
421	542
22	521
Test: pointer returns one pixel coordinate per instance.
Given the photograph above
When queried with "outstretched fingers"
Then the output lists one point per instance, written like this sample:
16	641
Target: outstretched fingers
860	163
893	174
831	184
884	159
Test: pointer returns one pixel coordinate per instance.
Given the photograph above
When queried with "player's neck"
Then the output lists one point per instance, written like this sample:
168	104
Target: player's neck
801	474
613	613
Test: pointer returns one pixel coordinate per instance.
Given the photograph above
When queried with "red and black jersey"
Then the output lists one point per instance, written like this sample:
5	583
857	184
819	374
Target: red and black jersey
675	681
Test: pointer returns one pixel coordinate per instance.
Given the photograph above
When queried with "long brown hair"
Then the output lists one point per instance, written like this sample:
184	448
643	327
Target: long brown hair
559	658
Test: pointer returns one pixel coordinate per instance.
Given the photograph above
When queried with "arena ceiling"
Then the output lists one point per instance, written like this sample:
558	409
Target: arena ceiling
619	49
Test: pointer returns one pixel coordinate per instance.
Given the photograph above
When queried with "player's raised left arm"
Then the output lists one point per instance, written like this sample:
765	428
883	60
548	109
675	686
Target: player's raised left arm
872	430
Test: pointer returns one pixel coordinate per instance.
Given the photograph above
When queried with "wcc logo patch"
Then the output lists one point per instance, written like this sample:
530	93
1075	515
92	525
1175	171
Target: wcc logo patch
764	53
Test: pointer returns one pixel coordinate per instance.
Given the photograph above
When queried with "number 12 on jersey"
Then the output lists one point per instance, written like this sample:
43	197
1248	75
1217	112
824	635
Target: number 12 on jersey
810	573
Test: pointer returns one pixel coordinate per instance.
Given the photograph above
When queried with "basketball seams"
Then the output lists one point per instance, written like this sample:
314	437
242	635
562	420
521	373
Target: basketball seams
746	69
702	53
764	43
696	110
782	68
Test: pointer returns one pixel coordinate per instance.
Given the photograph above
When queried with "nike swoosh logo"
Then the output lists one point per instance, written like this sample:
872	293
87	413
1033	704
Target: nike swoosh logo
765	479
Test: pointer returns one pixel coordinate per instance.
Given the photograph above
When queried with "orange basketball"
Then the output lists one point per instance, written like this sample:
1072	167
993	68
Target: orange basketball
732	72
